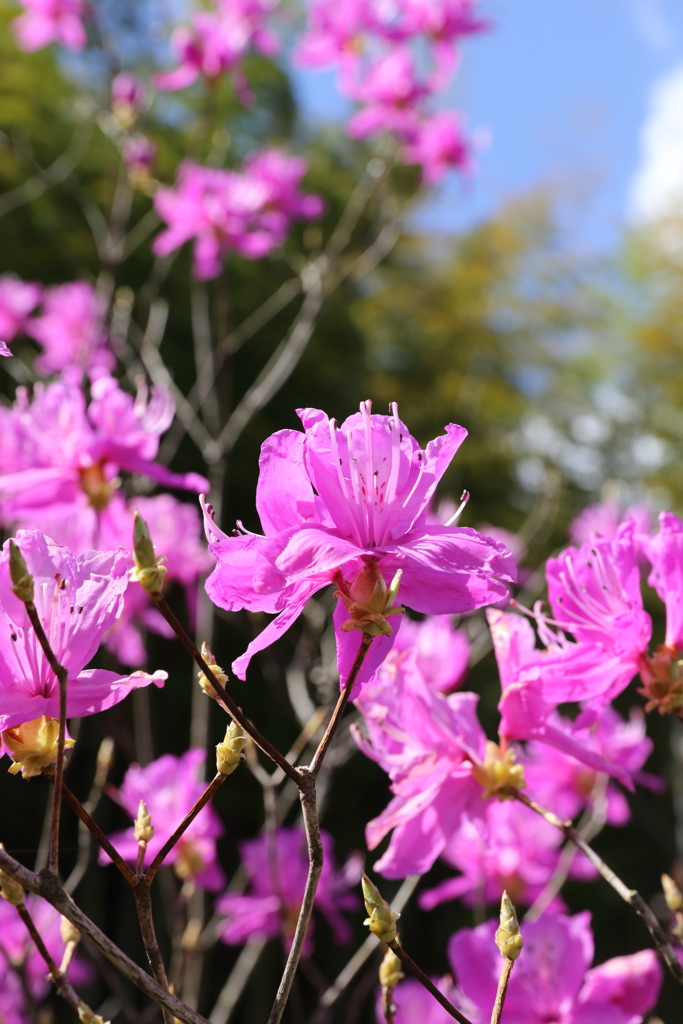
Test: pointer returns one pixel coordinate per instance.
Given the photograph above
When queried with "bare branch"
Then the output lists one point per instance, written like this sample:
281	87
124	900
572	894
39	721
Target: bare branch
213	786
53	175
427	983
505	972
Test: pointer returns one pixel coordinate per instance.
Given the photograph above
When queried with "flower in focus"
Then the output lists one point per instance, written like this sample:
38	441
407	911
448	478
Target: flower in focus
78	598
60	460
51	21
170	786
17	300
277	879
552	980
336	502
71	330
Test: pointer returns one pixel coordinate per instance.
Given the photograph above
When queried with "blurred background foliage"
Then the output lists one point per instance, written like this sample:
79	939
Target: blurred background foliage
565	368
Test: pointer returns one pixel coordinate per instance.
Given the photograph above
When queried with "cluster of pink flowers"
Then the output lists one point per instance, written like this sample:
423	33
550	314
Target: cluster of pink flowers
216	42
248	211
380	51
51	21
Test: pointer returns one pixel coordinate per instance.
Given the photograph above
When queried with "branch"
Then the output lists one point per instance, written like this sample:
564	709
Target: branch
238	978
143	905
427	983
505	972
57	172
47	885
630	896
217	781
64	988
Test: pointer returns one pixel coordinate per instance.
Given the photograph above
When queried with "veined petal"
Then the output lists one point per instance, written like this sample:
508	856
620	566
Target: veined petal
349	643
313	550
284	495
296	599
240	560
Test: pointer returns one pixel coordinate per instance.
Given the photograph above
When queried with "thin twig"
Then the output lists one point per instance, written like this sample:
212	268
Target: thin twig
505	972
62	678
388	1007
238	978
53	175
64	988
47	885
427	983
225	700
217	781
630	896
143	905
94	829
104	760
343	700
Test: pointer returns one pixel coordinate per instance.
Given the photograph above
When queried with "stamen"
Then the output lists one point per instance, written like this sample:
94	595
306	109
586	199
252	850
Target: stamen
365	408
464	498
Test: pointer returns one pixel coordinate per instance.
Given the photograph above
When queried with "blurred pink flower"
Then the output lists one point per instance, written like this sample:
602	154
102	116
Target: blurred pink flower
437	145
17	300
170	786
551	980
337	503
51	21
71	330
605	519
248	212
139	154
78	599
127	96
443	652
277	879
389	91
665	553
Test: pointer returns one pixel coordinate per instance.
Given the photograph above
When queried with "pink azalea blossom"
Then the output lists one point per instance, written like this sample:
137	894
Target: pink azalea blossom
78	598
248	212
415	1005
510	848
389	90
605	519
4	351
552	981
333	30
51	21
277	879
170	786
337	504
437	145
139	154
71	330
443	652
17	300
127	97
60	459
665	552
13	1003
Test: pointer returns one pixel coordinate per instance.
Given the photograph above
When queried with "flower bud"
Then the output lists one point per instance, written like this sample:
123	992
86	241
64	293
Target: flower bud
68	931
672	894
508	936
88	1016
144	830
9	889
33	745
499	773
148	571
368	601
229	752
204	681
22	581
390	970
382	920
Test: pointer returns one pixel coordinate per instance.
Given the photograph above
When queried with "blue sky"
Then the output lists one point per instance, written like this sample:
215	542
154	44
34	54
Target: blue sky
567	89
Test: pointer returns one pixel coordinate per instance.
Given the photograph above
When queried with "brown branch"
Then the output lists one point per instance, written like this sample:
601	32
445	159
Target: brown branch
427	983
94	829
217	781
388	1007
343	700
143	905
630	896
64	988
505	972
224	698
62	678
47	885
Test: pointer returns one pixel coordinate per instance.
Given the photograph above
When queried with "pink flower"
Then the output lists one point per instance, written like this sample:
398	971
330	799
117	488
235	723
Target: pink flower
4	351
139	154
170	786
389	91
415	1005
277	879
13	1003
51	21
437	145
71	329
443	652
332	32
127	97
60	460
665	552
342	505
551	980
605	519
17	300
247	212
446	20
78	599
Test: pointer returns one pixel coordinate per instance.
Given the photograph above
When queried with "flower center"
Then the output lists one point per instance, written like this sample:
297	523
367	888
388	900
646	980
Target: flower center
96	486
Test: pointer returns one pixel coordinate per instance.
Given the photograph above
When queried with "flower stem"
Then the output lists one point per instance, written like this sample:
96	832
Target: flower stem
505	972
224	699
64	988
217	781
143	905
630	896
62	677
427	983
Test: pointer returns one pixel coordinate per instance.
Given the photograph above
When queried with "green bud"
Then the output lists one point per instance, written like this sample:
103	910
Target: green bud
508	936
381	920
68	931
672	894
390	970
9	889
205	681
88	1016
229	752
149	571
144	829
22	581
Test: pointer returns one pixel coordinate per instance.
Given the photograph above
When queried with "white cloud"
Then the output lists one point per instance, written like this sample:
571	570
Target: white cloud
657	186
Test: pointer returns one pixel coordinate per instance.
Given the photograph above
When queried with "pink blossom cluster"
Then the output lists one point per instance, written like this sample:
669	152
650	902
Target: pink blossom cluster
216	42
248	212
552	981
380	51
51	21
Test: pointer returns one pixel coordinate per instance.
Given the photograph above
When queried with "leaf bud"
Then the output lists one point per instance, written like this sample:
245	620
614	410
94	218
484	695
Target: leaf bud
144	830
22	581
672	894
88	1016
499	773
368	601
229	752
390	970
381	920
68	931
149	571
205	681
33	745
508	936
9	889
